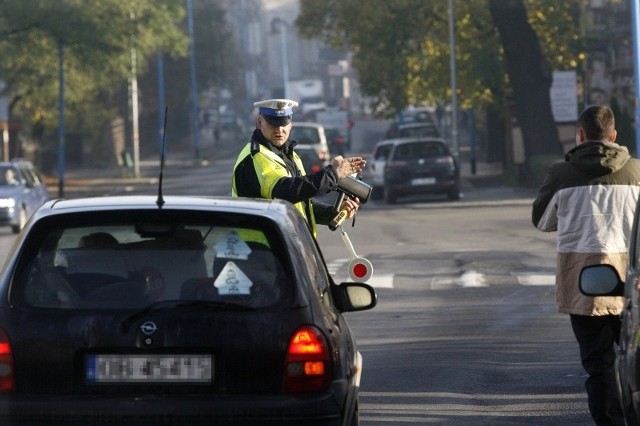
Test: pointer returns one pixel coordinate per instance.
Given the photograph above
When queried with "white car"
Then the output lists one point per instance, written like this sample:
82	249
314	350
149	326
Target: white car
376	166
22	192
308	133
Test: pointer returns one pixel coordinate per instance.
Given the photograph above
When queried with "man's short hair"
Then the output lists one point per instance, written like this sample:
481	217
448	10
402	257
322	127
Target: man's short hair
598	122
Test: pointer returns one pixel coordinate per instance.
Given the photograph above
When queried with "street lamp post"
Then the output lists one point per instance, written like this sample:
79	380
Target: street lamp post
279	25
194	83
134	112
61	118
454	88
285	58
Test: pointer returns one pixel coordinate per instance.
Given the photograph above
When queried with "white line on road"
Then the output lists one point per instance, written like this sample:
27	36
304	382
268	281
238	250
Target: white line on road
536	279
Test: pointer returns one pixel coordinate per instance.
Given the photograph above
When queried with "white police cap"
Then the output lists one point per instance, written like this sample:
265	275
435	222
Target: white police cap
277	112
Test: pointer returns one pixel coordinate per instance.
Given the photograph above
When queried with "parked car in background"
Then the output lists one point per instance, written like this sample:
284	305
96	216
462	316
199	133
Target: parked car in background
337	141
22	192
410	130
375	167
412	116
410	166
308	133
310	158
175	310
417	129
603	280
417	115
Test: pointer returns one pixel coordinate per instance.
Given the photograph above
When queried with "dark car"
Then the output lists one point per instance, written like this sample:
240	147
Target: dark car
181	310
410	130
310	158
22	192
417	129
603	280
418	166
338	144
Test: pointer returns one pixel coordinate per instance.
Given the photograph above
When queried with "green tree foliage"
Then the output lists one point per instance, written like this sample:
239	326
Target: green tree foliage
402	52
401	47
98	37
217	62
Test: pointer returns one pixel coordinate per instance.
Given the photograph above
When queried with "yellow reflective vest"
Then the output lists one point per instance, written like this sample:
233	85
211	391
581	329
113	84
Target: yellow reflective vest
270	168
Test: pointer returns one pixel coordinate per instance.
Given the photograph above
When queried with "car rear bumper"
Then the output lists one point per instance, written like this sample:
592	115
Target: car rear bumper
184	410
405	188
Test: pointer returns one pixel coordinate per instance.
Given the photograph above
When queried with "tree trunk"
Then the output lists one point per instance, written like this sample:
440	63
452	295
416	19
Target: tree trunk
530	77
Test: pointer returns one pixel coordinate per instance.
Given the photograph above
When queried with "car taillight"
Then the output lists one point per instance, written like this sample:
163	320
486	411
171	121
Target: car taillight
315	169
445	160
394	164
307	366
7	378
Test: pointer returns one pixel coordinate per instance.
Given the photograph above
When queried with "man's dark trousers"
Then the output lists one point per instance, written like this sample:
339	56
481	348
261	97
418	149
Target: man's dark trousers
596	336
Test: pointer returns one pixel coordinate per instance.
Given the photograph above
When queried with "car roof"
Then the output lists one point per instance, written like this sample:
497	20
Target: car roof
306	124
262	207
398	141
304	147
16	161
416	124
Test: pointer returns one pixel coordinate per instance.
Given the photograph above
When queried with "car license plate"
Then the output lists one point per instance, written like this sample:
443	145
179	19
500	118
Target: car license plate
150	368
423	181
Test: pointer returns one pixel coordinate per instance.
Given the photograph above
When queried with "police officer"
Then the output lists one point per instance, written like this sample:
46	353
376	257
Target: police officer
268	167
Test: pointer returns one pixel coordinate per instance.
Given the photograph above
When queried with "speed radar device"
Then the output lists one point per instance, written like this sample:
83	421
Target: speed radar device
351	187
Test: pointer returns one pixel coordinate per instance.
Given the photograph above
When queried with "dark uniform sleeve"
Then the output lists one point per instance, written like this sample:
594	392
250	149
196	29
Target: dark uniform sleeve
301	188
323	212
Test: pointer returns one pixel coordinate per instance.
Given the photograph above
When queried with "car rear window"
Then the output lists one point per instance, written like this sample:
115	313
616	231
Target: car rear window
382	152
408	151
132	265
429	131
305	135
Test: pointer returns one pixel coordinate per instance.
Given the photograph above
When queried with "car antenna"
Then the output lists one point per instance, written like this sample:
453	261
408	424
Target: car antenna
160	200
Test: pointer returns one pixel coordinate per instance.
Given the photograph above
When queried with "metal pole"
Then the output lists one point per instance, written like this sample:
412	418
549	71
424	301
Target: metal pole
194	85
454	88
635	28
134	113
133	82
61	118
161	100
285	58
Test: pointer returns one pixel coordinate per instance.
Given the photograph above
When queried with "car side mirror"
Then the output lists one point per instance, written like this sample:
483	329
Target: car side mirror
600	280
350	297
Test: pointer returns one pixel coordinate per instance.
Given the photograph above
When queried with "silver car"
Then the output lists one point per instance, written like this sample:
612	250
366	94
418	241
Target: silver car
22	192
307	133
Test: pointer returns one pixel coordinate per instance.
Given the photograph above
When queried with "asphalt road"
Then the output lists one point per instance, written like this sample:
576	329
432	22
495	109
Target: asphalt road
465	331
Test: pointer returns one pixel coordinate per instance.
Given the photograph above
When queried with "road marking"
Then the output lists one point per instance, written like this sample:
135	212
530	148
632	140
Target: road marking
534	278
465	280
468	279
381	280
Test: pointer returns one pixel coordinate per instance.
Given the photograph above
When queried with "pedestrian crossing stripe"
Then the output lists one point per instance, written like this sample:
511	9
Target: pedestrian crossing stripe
467	279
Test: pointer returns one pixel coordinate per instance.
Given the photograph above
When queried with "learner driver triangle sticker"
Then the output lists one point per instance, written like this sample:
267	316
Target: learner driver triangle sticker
232	281
232	247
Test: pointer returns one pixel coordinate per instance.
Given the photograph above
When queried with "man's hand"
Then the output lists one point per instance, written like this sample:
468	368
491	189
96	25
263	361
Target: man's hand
351	206
348	166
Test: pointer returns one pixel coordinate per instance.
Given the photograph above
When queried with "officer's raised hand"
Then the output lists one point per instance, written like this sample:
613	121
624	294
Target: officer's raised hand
348	166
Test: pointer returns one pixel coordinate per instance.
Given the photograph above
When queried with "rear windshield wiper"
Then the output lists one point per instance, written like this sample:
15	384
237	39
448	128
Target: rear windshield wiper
168	305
